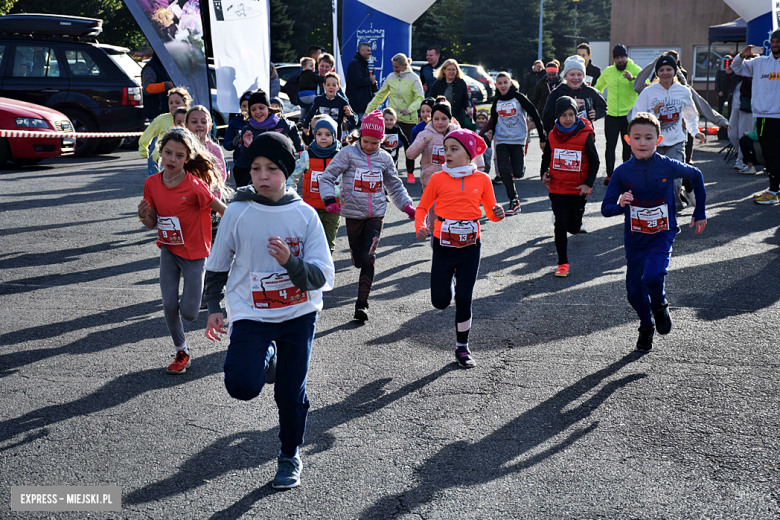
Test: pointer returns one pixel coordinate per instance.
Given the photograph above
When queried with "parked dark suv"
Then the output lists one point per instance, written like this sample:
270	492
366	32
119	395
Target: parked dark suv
45	60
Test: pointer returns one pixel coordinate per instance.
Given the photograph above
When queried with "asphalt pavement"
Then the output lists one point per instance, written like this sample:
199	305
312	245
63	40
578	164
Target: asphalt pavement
560	419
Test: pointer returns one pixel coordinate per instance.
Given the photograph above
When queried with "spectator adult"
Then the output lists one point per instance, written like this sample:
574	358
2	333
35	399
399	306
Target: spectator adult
451	85
156	84
404	93
275	85
315	51
592	72
592	106
361	83
618	79
427	71
765	71
536	75
545	86
741	113
722	82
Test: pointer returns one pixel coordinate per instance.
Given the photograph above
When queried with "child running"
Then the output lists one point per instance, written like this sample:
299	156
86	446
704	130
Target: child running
180	117
331	104
570	163
272	253
480	121
424	114
643	189
262	118
233	136
366	172
177	97
394	136
178	202
458	190
312	165
507	126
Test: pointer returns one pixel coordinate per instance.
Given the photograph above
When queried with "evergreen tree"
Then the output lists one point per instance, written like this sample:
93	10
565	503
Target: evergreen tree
281	33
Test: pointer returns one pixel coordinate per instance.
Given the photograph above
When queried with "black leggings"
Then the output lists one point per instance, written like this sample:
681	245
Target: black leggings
615	128
769	138
748	150
363	236
510	159
407	128
568	210
463	264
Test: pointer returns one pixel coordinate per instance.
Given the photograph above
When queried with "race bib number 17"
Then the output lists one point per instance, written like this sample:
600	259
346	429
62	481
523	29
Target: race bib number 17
367	181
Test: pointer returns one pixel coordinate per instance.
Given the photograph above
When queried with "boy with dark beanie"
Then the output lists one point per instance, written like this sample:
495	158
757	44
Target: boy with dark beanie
272	253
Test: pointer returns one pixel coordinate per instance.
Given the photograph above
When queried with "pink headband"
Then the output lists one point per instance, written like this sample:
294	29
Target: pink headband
552	69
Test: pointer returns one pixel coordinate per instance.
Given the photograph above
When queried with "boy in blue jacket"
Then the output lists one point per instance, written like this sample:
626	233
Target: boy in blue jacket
642	189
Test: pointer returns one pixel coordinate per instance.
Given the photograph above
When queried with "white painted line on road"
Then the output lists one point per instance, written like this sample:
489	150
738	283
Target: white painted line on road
70	288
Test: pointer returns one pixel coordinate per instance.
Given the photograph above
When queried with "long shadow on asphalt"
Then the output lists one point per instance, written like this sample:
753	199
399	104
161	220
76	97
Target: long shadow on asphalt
249	449
464	464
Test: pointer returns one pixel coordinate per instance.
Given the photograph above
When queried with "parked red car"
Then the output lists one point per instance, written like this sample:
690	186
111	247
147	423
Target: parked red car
19	115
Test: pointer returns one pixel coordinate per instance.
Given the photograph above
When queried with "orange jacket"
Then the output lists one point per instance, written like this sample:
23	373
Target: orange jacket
456	199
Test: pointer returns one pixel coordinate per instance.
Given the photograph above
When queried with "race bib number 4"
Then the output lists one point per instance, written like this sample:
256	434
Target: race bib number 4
458	233
437	154
274	291
367	181
314	185
567	160
169	231
650	220
506	109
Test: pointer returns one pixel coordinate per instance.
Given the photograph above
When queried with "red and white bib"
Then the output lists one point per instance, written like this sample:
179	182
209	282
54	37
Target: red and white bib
567	160
437	154
169	231
650	220
367	181
274	291
458	233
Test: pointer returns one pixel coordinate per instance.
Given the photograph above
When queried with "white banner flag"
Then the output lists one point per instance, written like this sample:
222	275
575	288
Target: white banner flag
775	15
241	41
336	47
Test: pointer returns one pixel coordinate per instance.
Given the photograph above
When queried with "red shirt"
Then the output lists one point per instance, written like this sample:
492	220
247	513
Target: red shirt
183	215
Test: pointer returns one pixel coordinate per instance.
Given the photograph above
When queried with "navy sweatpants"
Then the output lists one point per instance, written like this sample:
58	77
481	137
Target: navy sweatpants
648	265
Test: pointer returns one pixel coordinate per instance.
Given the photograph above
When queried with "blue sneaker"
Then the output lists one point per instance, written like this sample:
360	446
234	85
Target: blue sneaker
270	366
288	472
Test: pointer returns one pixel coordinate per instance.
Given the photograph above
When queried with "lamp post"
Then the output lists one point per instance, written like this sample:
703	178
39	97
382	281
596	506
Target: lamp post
541	17
575	23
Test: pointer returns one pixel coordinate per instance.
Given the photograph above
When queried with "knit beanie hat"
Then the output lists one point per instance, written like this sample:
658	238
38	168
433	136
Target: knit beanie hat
665	59
563	104
326	122
443	107
277	101
245	96
573	63
275	147
619	50
258	96
473	143
373	125
775	35
429	102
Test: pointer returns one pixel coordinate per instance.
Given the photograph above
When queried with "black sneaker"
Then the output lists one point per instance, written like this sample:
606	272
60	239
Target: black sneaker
663	322
361	311
270	370
513	208
497	181
645	341
464	358
606	181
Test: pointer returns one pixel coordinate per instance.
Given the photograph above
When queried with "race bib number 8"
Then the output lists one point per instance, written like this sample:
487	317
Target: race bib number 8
274	291
169	231
437	154
458	233
367	181
314	186
650	220
567	160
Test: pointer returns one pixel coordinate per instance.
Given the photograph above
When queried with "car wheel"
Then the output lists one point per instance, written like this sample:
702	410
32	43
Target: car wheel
107	146
27	162
82	122
5	151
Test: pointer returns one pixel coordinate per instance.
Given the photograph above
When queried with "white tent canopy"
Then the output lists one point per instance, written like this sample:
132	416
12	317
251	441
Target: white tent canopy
405	10
750	9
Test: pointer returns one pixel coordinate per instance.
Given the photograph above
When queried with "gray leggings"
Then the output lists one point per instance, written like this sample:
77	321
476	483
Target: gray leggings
171	268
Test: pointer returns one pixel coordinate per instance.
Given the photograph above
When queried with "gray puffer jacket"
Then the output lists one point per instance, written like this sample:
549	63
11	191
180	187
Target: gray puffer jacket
363	188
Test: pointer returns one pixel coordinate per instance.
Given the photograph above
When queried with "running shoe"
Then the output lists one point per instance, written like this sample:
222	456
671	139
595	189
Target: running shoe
497	181
270	369
562	271
583	229
645	341
463	355
514	208
606	181
739	164
410	178
767	198
663	322
748	170
361	310
180	364
288	472
686	197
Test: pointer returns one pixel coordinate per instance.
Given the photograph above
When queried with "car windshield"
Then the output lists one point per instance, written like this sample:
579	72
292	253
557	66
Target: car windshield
129	65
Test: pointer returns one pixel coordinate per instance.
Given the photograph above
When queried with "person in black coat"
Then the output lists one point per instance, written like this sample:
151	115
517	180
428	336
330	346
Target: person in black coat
592	106
361	83
535	76
451	85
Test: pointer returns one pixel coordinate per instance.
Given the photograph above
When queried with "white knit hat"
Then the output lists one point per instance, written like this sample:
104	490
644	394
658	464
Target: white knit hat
573	63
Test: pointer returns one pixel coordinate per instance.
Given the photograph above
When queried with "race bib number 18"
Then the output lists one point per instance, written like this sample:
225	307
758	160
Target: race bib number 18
169	231
650	220
274	291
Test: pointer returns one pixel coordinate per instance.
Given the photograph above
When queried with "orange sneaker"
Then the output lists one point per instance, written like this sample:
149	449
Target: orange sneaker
562	271
180	364
410	178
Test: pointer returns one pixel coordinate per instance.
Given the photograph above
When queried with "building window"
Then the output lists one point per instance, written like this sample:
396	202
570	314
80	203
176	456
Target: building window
713	60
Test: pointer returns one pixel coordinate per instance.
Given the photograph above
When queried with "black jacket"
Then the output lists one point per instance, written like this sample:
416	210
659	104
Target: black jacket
591	96
155	104
542	91
593	71
360	86
460	96
531	79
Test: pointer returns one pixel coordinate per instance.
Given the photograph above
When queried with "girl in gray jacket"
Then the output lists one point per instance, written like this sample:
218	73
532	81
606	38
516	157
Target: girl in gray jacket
367	171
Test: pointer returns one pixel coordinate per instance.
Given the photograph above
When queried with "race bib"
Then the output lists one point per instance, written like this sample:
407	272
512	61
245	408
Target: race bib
589	80
583	114
314	184
437	155
169	231
668	115
391	141
458	233
506	109
367	181
650	220
567	160
274	291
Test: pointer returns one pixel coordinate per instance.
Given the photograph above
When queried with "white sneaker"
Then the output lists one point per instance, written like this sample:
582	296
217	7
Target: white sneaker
748	170
739	165
583	229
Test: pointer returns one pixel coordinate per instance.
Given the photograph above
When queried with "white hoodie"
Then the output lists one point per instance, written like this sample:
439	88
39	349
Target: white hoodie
678	107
